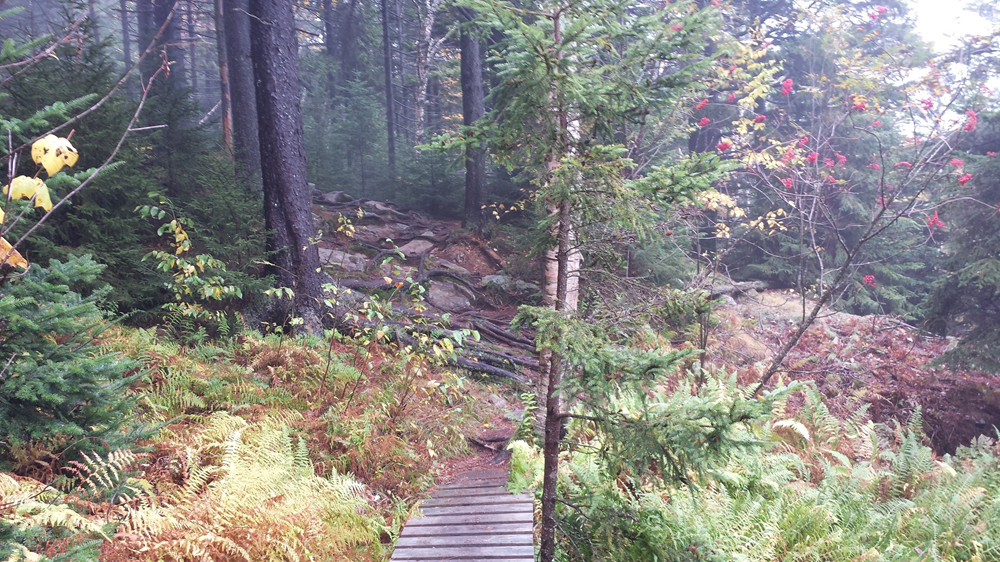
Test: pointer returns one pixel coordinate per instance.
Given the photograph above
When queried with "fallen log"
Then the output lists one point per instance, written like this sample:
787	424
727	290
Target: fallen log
489	369
737	288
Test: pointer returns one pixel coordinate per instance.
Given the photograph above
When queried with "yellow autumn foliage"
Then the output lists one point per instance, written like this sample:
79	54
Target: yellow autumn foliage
52	153
15	259
23	187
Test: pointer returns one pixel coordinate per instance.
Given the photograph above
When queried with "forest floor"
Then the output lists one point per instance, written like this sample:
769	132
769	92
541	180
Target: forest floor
853	360
378	424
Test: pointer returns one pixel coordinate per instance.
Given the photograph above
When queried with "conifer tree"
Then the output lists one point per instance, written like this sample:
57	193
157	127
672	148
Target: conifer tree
57	387
573	78
964	301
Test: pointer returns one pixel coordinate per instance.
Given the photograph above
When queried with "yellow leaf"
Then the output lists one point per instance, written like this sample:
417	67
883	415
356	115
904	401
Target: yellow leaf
42	197
388	280
1	216
15	259
23	187
53	153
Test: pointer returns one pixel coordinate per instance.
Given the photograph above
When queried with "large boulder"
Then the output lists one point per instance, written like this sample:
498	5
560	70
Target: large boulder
509	284
416	247
335	197
344	260
449	296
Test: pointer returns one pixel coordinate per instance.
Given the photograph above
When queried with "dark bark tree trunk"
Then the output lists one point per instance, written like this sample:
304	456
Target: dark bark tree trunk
126	36
169	40
329	32
192	47
389	105
130	87
170	90
473	109
144	34
241	89
347	43
287	210
225	103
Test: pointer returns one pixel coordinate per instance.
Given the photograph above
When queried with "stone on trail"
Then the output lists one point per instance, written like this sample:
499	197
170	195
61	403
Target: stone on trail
335	197
449	296
415	248
453	267
344	260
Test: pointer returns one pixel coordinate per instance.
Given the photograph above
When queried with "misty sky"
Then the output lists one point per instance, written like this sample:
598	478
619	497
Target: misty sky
941	20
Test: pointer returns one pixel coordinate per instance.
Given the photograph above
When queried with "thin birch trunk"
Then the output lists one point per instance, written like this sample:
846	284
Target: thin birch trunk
390	126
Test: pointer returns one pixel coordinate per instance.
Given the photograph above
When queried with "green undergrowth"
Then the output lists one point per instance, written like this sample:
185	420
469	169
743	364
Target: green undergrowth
268	448
811	487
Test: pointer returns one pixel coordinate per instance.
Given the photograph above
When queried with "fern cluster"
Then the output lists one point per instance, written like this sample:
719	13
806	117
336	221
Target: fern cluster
249	492
818	488
34	515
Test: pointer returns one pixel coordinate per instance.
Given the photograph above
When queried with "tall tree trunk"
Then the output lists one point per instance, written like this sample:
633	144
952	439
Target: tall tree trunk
144	34
130	88
329	35
347	42
226	100
287	210
170	40
422	68
170	90
426	49
473	109
241	89
402	116
553	372
561	291
192	47
389	105
126	35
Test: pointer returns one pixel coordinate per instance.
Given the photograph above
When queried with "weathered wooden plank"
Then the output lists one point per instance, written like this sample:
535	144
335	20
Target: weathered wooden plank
473	519
458	530
467	540
478	491
492	472
481	519
465	484
499	509
476	500
473	552
518	559
481	476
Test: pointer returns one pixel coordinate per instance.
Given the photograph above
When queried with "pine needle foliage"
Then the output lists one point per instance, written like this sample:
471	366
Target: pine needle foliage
58	389
963	301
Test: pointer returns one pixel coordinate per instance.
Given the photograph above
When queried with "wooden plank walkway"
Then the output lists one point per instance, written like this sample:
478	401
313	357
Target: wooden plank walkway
474	518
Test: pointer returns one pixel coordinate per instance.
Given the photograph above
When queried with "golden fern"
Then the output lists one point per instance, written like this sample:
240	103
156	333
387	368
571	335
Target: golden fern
26	503
251	494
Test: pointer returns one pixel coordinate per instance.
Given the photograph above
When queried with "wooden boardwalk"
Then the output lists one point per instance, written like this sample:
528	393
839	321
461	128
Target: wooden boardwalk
474	518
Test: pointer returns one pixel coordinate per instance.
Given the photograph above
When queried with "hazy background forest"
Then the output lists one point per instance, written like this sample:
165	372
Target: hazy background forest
380	83
724	274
